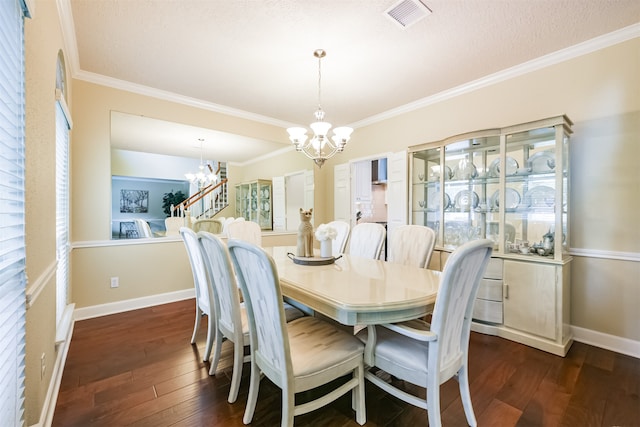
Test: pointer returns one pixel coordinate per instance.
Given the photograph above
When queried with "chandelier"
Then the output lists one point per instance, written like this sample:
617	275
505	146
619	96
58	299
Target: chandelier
202	178
320	147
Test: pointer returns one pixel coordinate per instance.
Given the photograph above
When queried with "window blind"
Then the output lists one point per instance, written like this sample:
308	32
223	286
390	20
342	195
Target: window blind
12	218
62	208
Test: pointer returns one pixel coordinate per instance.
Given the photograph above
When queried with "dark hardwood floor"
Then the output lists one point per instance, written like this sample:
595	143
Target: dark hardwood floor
138	368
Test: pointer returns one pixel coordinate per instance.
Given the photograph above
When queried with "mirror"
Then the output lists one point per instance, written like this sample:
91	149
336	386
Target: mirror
149	159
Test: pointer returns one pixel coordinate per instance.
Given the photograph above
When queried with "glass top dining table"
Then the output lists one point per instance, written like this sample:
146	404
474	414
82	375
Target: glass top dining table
358	291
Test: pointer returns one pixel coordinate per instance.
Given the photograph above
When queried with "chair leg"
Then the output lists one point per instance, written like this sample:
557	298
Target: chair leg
465	395
254	385
238	360
433	404
217	350
358	396
211	330
196	326
288	407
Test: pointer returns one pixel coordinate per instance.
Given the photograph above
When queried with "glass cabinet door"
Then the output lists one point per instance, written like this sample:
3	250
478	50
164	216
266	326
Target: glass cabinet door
540	185
471	188
426	195
265	216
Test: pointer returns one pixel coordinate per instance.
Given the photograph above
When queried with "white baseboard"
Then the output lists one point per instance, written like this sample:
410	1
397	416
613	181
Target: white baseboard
132	304
606	341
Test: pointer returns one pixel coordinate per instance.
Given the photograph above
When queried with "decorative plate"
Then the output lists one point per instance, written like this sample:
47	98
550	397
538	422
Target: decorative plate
540	197
465	170
433	204
466	200
512	167
511	199
542	162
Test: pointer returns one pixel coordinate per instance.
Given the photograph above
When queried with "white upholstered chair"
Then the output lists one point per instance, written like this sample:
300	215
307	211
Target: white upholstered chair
232	320
411	245
225	224
429	355
297	356
211	225
143	228
172	224
245	230
204	291
339	244
366	240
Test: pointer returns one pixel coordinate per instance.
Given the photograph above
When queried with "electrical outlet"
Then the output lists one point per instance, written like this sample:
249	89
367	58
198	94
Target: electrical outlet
43	365
115	282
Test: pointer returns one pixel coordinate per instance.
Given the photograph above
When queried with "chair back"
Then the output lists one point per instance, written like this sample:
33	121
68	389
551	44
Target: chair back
225	224
143	228
451	319
258	278
172	224
339	244
220	270
204	293
211	225
245	230
366	240
411	245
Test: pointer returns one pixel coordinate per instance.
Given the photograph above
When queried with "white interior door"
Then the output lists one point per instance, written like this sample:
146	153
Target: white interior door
279	200
397	193
341	193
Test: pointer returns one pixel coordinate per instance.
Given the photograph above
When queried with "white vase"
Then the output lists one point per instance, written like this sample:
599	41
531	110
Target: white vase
325	248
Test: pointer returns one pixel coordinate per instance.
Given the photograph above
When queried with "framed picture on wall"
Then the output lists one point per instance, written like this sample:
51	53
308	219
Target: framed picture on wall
134	201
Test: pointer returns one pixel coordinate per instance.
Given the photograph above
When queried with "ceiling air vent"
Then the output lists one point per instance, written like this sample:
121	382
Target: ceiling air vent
407	12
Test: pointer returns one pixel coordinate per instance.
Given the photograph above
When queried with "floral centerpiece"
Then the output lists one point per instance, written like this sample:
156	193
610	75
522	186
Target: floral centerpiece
325	233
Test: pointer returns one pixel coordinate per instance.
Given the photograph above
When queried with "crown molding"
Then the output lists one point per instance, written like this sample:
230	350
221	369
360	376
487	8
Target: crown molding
589	46
102	80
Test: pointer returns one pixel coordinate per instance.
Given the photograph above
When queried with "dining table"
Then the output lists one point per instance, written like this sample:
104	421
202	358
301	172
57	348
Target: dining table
358	291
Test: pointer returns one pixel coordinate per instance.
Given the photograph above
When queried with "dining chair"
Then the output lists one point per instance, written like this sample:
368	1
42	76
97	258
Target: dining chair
172	225
366	240
212	225
225	224
245	230
427	355
232	322
297	356
411	245
204	292
143	228
339	244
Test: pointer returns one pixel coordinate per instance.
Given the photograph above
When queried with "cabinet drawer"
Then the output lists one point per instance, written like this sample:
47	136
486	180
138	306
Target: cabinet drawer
487	311
494	269
490	289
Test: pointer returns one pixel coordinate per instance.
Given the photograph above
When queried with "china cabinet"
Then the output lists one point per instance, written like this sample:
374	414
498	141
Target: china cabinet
253	202
509	185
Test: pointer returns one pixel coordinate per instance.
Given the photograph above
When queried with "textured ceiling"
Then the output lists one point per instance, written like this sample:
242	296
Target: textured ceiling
255	56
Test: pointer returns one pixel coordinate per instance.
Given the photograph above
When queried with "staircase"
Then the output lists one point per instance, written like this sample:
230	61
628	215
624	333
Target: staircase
210	200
